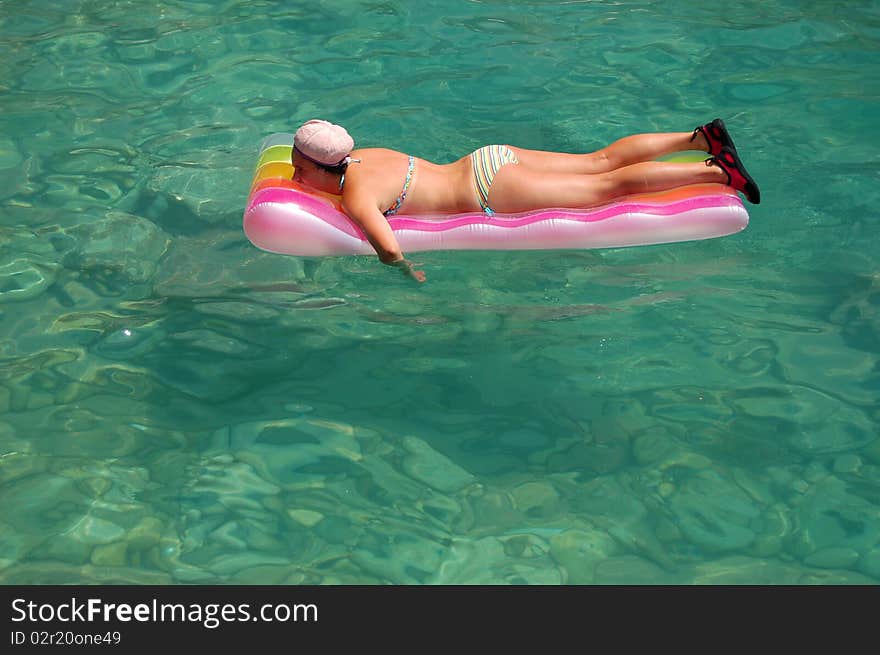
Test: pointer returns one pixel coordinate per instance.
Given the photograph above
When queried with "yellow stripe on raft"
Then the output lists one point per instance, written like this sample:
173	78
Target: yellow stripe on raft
279	153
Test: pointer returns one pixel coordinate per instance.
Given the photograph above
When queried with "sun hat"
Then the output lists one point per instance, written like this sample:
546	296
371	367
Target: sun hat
323	142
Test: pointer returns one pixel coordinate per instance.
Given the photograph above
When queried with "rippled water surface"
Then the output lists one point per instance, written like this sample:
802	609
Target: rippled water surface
177	406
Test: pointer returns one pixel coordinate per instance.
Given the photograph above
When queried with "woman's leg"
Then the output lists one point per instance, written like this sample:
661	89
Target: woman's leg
623	152
518	188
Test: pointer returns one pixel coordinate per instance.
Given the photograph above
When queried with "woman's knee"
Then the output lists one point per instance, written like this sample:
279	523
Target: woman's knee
599	161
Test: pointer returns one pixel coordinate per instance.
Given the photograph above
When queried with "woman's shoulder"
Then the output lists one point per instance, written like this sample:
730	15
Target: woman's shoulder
374	172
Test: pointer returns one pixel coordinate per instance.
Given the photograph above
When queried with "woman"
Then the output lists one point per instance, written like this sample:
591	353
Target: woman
376	183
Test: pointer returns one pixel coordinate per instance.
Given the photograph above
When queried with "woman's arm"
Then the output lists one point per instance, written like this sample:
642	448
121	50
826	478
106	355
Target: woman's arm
363	211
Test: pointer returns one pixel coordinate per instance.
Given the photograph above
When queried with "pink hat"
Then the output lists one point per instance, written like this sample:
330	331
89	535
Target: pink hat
323	142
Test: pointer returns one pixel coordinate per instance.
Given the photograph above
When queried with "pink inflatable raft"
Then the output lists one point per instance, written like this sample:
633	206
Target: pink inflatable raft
281	217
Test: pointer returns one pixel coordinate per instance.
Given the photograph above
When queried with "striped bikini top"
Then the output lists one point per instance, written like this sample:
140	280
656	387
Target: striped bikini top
397	203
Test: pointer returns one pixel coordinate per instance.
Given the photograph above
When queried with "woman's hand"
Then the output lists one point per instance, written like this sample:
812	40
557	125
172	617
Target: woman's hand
409	270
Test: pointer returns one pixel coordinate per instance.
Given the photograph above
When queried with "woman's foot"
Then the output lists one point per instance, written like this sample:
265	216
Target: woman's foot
737	175
716	136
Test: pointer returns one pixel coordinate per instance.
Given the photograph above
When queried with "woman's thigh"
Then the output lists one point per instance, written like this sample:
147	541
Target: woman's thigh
561	162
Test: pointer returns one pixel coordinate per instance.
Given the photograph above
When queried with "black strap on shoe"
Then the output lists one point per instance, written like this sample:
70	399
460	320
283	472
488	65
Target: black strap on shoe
714	161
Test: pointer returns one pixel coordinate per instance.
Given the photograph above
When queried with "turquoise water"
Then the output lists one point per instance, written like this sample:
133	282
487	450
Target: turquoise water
177	406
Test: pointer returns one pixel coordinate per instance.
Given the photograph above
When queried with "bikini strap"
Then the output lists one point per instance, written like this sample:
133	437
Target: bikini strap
402	197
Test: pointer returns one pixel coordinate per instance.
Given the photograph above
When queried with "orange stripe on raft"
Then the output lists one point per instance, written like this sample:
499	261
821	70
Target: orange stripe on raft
684	192
278	182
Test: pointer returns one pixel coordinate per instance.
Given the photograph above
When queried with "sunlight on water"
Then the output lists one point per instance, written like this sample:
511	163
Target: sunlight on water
177	406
